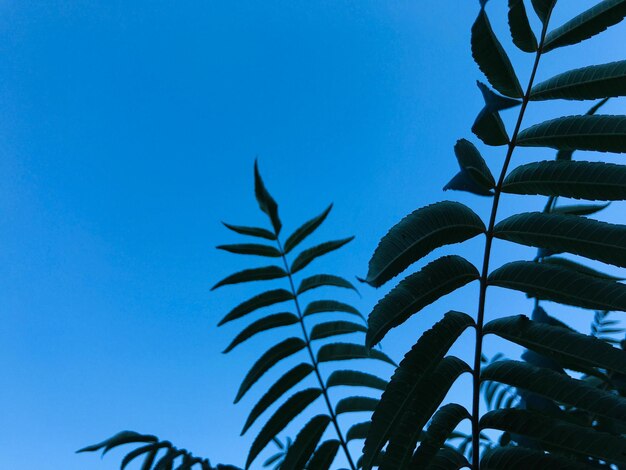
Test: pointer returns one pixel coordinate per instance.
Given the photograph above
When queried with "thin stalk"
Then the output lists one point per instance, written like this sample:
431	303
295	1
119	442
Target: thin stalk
305	334
487	255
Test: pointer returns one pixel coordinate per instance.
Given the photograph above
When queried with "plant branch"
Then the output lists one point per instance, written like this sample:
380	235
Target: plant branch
487	255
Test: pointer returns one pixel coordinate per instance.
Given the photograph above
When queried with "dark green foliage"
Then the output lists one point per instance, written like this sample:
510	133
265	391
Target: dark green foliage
521	32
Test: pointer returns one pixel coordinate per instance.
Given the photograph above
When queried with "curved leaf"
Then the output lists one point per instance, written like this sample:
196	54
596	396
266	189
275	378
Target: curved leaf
567	347
447	459
266	202
335	328
521	32
418	234
489	128
268	360
358	431
280	419
251	231
256	249
601	133
266	273
589	23
355	405
579	180
346	351
121	438
305	230
259	301
264	324
445	420
522	458
558	434
324	306
323	280
580	209
462	181
324	455
492	59
415	292
472	162
560	285
543	8
306	442
568	264
310	254
417	363
353	378
128	458
276	391
578	235
587	83
558	387
429	394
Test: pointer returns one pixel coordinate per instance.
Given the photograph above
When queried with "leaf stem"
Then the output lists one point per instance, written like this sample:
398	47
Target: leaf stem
487	255
313	359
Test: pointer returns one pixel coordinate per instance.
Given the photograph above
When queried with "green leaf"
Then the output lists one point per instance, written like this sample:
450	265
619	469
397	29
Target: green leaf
353	378
121	438
251	231
264	324
578	235
444	422
580	209
310	254
355	405
594	181
323	280
256	249
427	397
417	291
417	363
472	162
280	419
565	346
586	25
266	202
522	458
558	387
306	442
558	434
568	264
335	328
491	58
447	459
418	234
347	351
259	301
543	8
560	285
358	431
268	360
587	83
324	306
276	391
489	128
266	273
324	455
598	132
305	230
521	32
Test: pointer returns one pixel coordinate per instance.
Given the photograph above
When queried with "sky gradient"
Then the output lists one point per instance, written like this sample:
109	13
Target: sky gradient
129	132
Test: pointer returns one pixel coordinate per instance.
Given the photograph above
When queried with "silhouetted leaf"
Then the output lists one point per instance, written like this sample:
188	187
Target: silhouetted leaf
264	324
251	231
307	256
565	346
599	132
587	83
589	23
355	404
521	32
558	233
492	59
324	306
322	280
579	180
473	164
266	202
269	359
256	249
259	301
447	459
358	431
462	181
353	378
305	230
346	351
121	438
266	273
335	328
522	458
543	8
277	390
489	128
415	292
280	419
306	442
560	285
324	455
580	209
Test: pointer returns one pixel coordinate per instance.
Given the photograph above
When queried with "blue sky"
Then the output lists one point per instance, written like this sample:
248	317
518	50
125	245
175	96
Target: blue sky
129	132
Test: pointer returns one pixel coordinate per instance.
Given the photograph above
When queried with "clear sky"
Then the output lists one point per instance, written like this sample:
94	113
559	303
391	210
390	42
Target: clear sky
129	130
